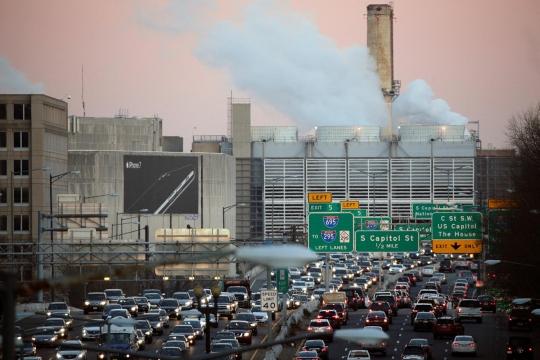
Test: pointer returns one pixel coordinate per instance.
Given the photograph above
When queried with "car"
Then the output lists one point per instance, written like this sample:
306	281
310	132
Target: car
322	328
355	299
396	269
176	337
169	351
45	335
390	299
318	346
488	303
146	328
382	306
250	318
442	302
377	318
414	350
437	307
359	354
463	344
418	308
224	334
226	306
143	304
140	339
28	349
71	349
519	347
59	326
184	299
171	306
95	301
428	271
446	266
261	316
235	345
520	319
197	325
309	281
341	310
469	309
441	276
60	310
155	321
375	345
130	305
447	326
154	299
424	321
332	317
118	313
425	344
307	355
113	295
241	330
469	275
418	274
186	330
90	332
163	314
107	309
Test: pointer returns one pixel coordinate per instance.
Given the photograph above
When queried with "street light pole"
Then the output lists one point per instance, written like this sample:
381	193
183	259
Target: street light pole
227	208
207	310
95	196
53	179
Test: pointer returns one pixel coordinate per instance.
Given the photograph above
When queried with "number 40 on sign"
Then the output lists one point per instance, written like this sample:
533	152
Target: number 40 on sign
269	300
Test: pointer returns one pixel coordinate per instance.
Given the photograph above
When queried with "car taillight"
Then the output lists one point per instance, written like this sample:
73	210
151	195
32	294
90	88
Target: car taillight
385	320
328	328
530	349
310	328
367	320
319	316
304	349
455	344
335	317
472	344
510	319
459	310
323	349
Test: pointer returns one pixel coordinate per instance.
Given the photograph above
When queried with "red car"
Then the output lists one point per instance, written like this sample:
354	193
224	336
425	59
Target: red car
377	318
447	326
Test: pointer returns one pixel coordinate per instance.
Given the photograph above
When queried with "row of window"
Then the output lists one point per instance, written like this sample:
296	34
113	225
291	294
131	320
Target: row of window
21	195
20	111
20	167
21	140
20	223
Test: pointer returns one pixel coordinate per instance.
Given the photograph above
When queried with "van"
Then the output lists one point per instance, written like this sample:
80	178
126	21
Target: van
334	297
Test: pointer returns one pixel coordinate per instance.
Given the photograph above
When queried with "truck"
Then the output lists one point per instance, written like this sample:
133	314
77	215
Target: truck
241	289
120	338
334	297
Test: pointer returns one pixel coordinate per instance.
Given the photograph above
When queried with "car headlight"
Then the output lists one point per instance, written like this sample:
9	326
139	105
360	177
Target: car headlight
49	313
58	356
228	307
133	308
87	303
101	356
102	303
84	332
128	356
246	334
148	332
81	355
158	325
176	310
190	336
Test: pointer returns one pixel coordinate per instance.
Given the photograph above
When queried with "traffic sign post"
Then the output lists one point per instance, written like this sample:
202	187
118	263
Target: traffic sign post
457	233
386	241
282	280
324	207
331	232
269	300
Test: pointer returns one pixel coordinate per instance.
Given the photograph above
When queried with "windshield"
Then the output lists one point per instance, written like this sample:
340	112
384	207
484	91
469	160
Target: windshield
153	296
111	306
117	312
140	300
96	297
172	351
256	308
246	317
240	325
54	322
113	292
183	328
126	302
168	303
182	296
58	306
237	289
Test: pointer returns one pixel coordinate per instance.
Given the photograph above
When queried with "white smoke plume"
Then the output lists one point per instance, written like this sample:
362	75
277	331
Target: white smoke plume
279	57
12	81
419	106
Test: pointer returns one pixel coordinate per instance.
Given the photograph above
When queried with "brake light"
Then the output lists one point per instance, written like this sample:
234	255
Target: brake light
509	349
472	344
310	328
385	320
459	310
328	328
319	316
455	344
367	320
480	311
323	349
335	317
510	319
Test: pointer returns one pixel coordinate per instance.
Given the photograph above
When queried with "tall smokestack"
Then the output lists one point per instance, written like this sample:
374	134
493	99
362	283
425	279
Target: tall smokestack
380	42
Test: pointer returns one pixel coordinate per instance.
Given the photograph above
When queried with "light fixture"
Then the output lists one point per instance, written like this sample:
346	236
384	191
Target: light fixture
106	278
165	278
191	278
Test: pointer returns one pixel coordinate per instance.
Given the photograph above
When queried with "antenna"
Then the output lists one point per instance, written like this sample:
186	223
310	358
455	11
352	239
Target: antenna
82	93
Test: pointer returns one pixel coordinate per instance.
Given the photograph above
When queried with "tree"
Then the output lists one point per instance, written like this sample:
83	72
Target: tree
518	275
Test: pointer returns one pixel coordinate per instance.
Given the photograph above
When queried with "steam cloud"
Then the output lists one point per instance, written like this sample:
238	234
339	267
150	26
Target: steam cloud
418	106
278	57
12	81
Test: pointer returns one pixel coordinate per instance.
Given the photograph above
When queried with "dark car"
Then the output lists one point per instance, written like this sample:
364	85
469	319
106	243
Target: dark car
307	355
332	317
95	301
424	321
250	318
425	344
447	326
321	328
319	346
519	347
155	321
130	305
107	309
382	306
171	306
446	266
341	310
186	330
142	303
28	349
355	299
437	307
391	300
417	350
377	318
235	345
521	319
241	330
488	303
146	328
418	308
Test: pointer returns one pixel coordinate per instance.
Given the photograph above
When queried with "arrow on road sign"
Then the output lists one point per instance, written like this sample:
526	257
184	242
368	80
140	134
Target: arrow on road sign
455	246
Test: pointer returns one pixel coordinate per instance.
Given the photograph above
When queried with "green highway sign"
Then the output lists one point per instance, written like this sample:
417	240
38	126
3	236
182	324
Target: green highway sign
457	226
425	210
386	241
331	232
356	212
324	207
372	223
282	280
424	230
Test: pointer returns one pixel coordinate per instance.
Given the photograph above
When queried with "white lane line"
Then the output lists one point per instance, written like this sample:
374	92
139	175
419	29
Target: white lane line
402	328
399	334
397	342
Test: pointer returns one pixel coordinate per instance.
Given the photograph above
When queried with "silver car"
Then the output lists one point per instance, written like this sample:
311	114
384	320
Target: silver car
164	316
74	351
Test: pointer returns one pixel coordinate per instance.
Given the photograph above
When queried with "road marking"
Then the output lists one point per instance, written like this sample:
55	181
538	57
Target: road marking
399	334
402	328
397	342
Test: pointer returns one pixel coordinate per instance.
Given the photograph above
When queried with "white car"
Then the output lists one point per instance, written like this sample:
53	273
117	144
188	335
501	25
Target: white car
294	271
310	282
463	344
90	332
428	270
65	353
358	354
396	269
301	287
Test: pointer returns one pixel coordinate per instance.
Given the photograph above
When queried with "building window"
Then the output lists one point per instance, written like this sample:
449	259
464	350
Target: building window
3	196
21	195
20	139
3	140
22	112
3	167
3	111
21	223
3	222
21	167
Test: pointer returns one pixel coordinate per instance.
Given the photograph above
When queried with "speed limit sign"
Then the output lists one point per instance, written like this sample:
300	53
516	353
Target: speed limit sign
269	300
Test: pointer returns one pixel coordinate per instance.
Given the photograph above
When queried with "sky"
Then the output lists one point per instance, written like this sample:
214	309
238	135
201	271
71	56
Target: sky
301	63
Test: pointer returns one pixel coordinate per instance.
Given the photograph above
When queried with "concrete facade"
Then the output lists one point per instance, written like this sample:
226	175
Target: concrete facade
34	127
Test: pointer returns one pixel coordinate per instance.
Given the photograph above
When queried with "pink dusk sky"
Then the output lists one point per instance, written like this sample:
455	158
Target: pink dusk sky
301	62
